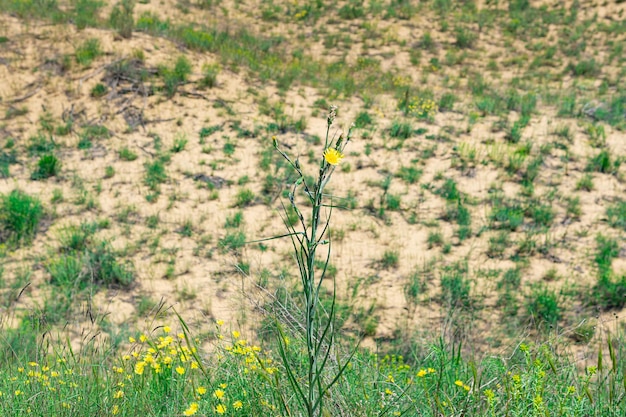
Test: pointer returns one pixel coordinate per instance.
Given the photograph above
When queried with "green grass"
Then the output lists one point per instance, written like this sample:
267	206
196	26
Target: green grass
47	166
616	214
20	215
87	51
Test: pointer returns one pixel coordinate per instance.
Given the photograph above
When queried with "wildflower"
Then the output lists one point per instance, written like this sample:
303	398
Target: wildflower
201	390
458	383
18	392
388	391
489	394
193	409
131	339
422	373
139	367
115	410
219	394
236	334
143	338
118	394
333	156
220	409
167	329
180	370
237	405
223	386
181	336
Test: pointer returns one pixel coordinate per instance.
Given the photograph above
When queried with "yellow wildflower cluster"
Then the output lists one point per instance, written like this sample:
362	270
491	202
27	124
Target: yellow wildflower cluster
423	108
251	357
160	355
54	377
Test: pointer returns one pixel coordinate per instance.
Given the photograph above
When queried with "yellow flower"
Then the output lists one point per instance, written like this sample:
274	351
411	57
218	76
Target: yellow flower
220	322
220	409
115	410
333	156
143	338
201	390
139	367
118	394
458	383
180	370
236	334
223	386
237	405
193	409
219	394
167	329
421	373
131	339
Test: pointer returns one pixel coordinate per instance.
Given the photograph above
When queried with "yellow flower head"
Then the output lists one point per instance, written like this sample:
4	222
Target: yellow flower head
180	370
219	394
220	409
333	156
237	405
201	390
193	409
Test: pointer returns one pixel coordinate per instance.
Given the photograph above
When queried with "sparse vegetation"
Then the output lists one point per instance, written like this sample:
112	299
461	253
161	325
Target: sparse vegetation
473	230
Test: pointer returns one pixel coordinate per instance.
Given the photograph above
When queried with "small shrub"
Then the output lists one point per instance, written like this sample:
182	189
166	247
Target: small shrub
174	77
585	183
400	130
47	166
98	90
209	75
87	52
434	239
617	215
234	221
244	198
465	38
543	305
155	174
602	163
233	241
121	18
390	259
410	174
126	154
455	288
179	144
363	119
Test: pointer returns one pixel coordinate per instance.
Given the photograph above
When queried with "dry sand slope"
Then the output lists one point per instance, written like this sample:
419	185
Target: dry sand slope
174	240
